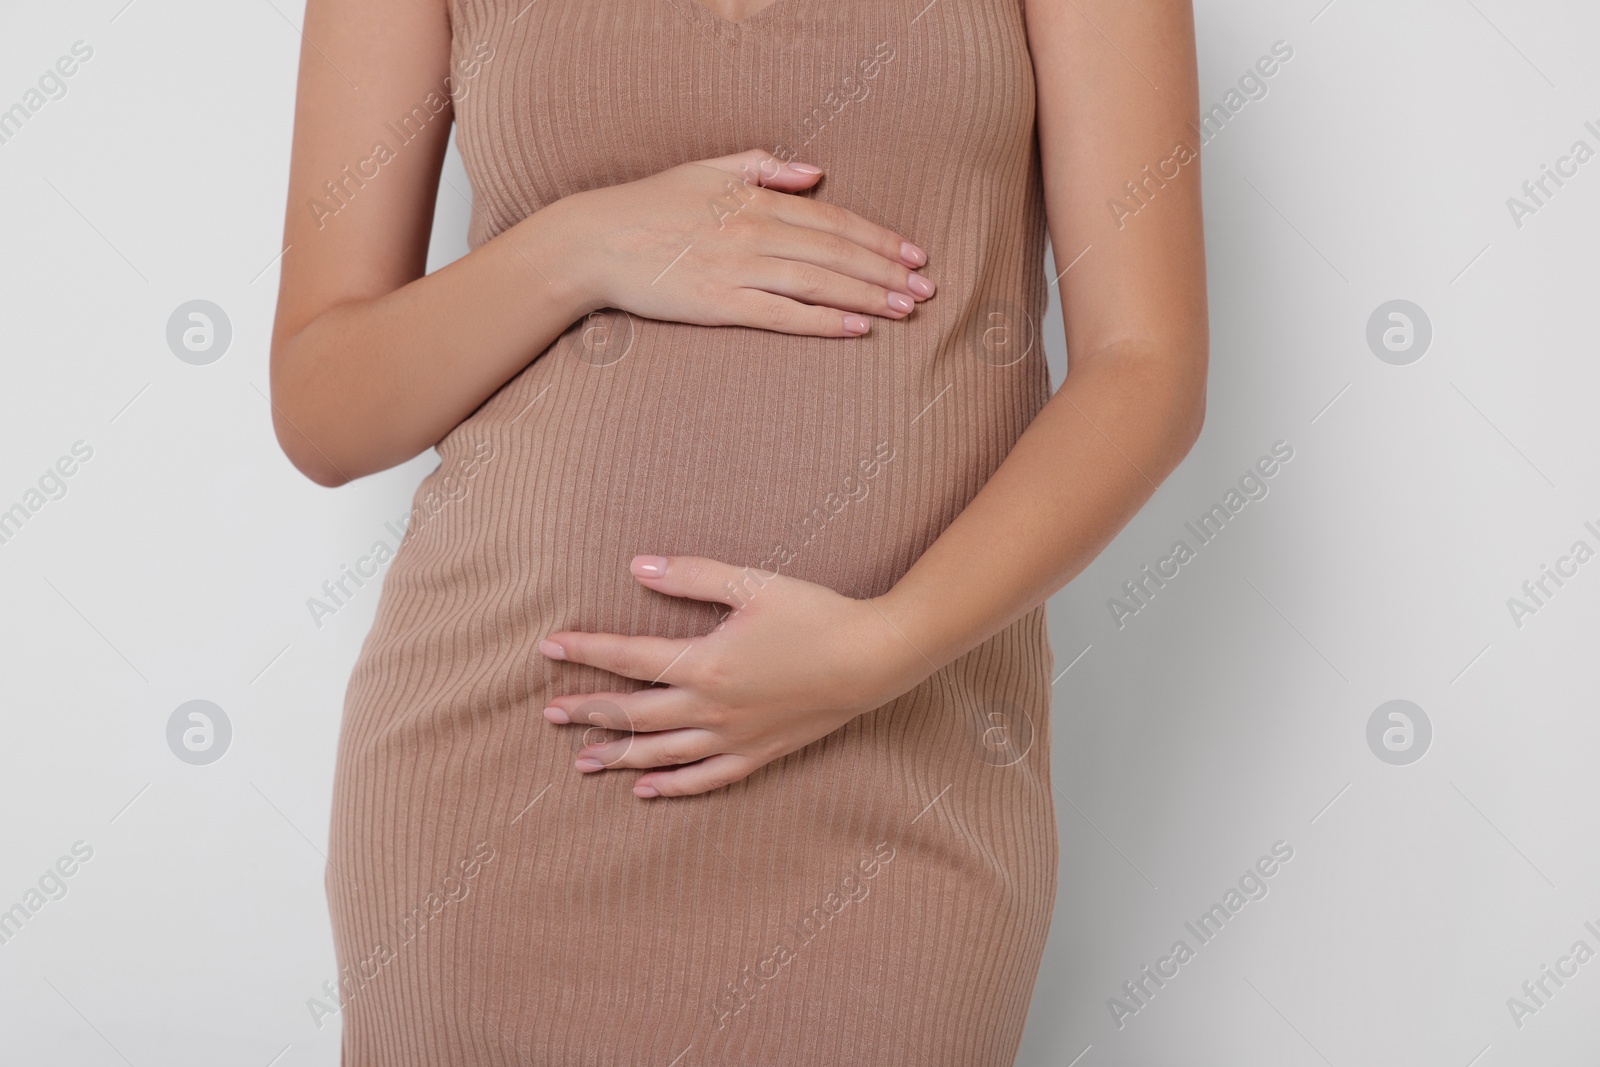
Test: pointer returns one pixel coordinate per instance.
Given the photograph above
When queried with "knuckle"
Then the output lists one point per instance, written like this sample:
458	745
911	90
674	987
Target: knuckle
834	248
834	218
779	313
810	281
710	675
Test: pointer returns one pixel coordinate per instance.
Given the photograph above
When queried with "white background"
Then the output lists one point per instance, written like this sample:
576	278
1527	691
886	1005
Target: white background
1229	714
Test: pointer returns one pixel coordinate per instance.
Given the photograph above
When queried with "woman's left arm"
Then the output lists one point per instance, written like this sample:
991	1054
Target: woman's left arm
1116	100
794	661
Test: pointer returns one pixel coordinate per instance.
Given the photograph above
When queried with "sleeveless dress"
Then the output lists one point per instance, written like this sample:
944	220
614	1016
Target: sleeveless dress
879	897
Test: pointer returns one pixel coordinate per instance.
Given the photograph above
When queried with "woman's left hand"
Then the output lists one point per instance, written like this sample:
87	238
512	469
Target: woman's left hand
791	662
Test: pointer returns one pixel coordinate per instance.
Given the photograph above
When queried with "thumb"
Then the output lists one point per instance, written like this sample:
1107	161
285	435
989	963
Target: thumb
699	578
760	167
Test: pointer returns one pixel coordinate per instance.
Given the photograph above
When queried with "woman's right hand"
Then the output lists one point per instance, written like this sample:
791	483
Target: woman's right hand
723	242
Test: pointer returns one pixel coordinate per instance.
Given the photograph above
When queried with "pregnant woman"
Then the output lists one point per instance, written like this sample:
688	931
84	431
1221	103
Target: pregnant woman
705	718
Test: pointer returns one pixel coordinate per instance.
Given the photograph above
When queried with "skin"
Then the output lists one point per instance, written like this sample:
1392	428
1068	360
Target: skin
792	661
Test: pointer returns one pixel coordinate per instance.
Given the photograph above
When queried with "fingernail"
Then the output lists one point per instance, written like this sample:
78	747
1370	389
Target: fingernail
588	763
918	284
901	302
644	790
557	716
649	566
551	649
855	324
804	168
912	254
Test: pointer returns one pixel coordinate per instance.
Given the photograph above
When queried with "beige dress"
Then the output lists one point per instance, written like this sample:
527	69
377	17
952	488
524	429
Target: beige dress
880	897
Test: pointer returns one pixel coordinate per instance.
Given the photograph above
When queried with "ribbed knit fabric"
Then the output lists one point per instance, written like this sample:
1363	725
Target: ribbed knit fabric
880	897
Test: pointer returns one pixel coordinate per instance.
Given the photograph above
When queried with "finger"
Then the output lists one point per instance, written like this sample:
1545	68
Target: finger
713	772
842	222
646	658
699	578
648	750
843	256
779	314
657	708
812	284
761	168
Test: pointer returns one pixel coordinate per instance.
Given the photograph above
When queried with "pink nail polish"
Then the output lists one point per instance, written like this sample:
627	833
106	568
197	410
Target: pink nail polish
856	324
804	168
551	649
900	302
919	285
650	566
588	763
912	254
646	791
557	716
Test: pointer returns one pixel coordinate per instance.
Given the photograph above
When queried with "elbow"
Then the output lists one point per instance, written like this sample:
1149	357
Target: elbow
323	474
304	456
1195	422
289	416
1187	418
1193	398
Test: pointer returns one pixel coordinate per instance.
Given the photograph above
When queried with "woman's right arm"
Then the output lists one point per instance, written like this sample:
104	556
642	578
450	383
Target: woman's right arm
373	361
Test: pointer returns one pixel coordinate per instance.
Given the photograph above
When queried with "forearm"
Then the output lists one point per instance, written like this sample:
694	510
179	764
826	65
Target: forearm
1095	453
371	383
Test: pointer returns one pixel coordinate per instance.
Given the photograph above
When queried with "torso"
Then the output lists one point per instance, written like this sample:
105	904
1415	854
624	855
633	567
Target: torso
837	460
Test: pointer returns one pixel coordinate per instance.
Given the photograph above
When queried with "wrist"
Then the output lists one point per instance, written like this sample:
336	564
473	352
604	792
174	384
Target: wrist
895	652
554	240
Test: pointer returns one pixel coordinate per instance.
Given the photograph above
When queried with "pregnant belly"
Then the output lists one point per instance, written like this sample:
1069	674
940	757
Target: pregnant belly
837	462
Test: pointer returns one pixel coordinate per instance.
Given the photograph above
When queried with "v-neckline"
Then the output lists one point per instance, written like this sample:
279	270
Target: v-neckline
725	22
